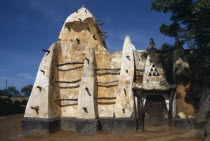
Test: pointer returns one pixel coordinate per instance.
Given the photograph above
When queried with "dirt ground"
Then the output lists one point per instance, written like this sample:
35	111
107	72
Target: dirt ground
10	128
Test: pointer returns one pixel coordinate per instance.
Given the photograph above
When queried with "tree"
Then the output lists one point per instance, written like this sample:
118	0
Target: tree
191	23
12	92
26	91
2	93
190	20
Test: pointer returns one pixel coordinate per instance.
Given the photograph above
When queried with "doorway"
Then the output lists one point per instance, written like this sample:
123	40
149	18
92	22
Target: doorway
155	110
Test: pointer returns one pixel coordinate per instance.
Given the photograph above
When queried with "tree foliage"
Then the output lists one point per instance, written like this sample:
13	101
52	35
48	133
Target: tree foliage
26	91
190	20
2	93
191	23
12	92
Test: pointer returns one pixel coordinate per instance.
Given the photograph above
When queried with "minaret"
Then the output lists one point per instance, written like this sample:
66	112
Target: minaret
63	76
82	26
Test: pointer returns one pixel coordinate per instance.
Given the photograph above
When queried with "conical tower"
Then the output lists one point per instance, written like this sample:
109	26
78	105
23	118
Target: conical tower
54	97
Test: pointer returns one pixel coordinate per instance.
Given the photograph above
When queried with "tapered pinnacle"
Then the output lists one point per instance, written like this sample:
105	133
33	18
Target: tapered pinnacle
152	43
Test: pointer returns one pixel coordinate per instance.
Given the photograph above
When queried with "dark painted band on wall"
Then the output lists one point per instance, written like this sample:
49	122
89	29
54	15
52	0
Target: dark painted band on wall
38	126
124	126
116	126
68	124
106	124
87	126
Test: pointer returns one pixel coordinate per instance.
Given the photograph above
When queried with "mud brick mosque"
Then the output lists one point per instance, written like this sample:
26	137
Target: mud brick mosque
80	86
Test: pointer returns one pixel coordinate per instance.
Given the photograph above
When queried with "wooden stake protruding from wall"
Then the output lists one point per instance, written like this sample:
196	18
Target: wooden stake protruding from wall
68	28
78	41
40	88
76	10
100	23
128	58
45	50
36	108
125	91
42	71
85	109
87	60
123	110
98	20
103	34
94	36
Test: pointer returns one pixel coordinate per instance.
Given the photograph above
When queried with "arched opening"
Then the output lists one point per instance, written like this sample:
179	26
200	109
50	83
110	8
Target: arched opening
155	109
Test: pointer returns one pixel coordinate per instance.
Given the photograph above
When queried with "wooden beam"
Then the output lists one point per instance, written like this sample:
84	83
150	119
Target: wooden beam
78	41
70	68
68	81
66	99
69	105
97	20
94	36
107	73
36	108
100	23
105	103
70	87
107	82
105	97
128	58
42	71
98	69
108	86
40	88
45	50
87	60
70	63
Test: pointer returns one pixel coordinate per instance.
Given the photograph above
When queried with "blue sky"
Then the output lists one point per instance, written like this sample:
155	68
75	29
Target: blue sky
28	26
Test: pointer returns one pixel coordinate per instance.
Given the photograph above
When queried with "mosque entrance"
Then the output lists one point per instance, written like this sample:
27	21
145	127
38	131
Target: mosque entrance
155	110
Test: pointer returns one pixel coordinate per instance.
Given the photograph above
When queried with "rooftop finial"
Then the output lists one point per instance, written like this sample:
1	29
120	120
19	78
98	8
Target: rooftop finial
152	43
83	5
177	43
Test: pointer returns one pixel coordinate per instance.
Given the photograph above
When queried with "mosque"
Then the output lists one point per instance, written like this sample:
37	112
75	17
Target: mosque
82	87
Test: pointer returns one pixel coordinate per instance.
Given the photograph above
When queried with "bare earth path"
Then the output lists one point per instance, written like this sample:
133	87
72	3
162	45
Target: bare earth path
10	128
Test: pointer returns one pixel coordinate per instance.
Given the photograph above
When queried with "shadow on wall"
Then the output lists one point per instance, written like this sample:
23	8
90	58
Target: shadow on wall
12	105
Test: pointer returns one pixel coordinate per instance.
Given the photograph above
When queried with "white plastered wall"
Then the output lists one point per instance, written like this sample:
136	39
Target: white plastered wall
42	96
124	106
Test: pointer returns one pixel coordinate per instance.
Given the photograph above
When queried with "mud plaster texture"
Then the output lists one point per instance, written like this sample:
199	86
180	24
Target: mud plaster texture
71	84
